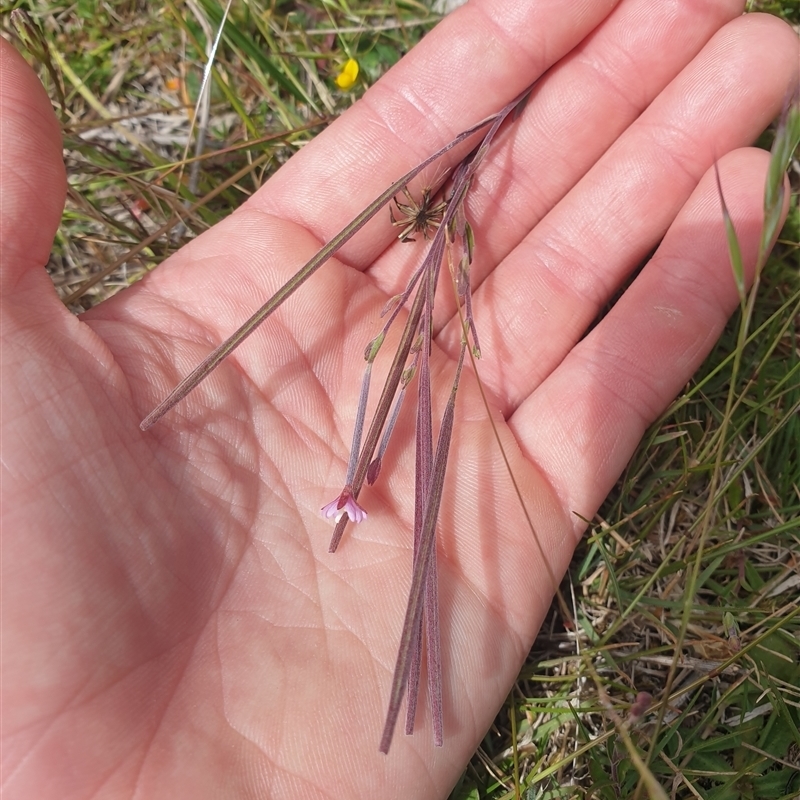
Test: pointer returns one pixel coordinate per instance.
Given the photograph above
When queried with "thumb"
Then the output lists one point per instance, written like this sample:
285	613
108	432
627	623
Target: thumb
32	183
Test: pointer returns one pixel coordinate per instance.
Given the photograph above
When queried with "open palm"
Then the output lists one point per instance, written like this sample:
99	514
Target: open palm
173	625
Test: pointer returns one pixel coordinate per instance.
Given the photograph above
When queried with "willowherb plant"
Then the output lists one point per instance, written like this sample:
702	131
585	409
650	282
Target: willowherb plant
442	222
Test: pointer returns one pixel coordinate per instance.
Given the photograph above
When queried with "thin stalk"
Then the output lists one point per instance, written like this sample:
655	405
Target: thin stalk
359	426
424	463
229	345
431	610
384	404
397	302
375	467
466	329
389	389
434	644
419	576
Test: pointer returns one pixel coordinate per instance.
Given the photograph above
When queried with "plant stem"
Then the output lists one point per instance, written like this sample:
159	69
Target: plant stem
213	360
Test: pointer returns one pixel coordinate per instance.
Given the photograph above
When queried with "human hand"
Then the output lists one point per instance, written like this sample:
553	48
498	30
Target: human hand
173	623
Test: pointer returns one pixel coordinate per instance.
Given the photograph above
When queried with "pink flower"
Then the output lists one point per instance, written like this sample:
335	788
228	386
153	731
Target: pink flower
345	503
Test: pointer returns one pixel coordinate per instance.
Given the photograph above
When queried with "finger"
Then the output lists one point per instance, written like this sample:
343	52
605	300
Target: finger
538	303
576	112
32	188
583	423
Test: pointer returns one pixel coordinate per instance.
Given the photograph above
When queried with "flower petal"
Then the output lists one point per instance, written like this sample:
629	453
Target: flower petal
347	77
331	510
344	504
354	511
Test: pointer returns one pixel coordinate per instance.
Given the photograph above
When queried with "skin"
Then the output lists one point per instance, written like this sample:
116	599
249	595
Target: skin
173	625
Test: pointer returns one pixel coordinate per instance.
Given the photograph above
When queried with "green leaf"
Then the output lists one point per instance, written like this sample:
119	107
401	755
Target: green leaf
734	250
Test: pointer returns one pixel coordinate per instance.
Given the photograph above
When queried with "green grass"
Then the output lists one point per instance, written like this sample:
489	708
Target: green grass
120	76
711	499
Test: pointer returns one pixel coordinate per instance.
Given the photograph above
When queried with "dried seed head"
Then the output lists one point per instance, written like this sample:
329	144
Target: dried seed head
416	217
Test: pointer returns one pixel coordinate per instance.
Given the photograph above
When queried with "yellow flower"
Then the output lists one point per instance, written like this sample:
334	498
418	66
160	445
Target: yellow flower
347	77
